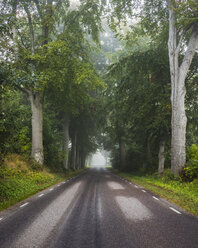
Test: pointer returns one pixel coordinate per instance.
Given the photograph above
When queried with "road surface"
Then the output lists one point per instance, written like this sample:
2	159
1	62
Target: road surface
97	210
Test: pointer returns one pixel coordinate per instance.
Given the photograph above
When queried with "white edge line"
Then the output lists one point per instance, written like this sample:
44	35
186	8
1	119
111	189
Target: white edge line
58	185
155	198
51	189
176	211
143	191
40	195
1	219
23	205
136	187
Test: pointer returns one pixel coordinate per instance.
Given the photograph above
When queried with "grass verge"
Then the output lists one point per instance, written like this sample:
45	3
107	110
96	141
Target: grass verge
18	180
184	194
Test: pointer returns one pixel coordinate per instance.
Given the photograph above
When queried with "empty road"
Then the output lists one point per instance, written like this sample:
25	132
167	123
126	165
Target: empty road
97	210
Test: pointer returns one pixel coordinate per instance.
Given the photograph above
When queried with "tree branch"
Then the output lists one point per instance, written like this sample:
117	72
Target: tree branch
38	8
31	28
192	45
24	90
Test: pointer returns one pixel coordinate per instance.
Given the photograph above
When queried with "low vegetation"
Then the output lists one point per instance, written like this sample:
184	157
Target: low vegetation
174	189
21	178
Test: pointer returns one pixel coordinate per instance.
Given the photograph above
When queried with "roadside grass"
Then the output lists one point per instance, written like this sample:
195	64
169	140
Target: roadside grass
20	179
184	194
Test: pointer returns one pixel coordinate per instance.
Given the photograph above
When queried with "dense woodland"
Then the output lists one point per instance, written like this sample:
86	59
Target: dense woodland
122	75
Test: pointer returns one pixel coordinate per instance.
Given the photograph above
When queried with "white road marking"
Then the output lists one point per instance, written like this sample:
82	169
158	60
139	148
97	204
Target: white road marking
51	189
63	182
1	219
130	183
35	234
40	195
136	186
176	211
58	185
23	205
143	191
155	198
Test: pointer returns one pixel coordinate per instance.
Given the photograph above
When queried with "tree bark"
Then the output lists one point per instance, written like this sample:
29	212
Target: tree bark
37	127
83	159
122	151
161	156
178	90
148	153
74	143
66	141
77	157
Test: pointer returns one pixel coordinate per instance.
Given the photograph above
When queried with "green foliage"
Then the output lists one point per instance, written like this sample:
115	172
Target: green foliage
167	175
25	179
138	99
15	130
191	169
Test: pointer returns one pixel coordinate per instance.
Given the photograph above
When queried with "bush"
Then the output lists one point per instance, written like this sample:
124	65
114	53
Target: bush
191	169
167	175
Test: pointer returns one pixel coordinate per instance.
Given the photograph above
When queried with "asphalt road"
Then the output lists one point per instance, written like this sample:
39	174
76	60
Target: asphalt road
97	210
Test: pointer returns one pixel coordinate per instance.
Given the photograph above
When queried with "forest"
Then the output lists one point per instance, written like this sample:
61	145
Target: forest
77	76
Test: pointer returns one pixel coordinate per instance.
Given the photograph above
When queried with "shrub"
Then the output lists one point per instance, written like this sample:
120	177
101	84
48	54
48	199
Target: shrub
167	175
191	170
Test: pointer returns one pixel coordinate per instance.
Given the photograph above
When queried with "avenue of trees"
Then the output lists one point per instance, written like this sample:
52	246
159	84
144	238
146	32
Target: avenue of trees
63	93
45	63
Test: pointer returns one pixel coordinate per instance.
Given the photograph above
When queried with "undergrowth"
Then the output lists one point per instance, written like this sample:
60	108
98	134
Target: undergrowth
20	178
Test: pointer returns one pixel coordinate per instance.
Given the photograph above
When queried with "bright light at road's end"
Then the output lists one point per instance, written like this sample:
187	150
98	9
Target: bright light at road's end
98	160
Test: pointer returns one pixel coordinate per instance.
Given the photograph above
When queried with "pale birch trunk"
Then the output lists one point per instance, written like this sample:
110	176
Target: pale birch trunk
161	156
66	141
178	90
37	127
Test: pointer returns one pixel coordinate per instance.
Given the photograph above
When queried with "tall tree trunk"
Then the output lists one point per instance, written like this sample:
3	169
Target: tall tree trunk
83	159
77	157
74	143
148	153
66	141
178	90
122	151
80	159
179	121
161	156
37	127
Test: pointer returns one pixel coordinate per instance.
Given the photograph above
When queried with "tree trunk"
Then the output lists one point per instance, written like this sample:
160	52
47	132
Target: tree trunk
80	160
83	159
66	141
77	158
161	156
148	153
122	150
74	142
37	127
178	90
179	121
